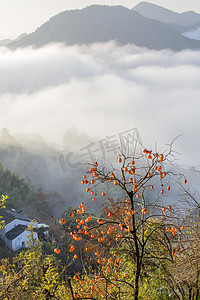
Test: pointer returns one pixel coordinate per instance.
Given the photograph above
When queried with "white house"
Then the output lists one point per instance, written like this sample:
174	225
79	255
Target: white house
14	233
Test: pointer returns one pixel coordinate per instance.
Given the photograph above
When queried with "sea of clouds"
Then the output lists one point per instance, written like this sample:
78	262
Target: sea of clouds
101	90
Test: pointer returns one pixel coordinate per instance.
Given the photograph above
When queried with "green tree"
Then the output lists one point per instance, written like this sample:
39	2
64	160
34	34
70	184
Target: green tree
32	275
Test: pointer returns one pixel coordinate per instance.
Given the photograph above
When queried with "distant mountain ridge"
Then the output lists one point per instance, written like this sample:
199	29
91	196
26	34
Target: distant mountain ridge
101	23
187	20
9	41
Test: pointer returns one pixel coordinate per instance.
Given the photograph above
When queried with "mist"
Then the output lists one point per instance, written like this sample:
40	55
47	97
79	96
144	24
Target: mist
59	99
193	34
101	90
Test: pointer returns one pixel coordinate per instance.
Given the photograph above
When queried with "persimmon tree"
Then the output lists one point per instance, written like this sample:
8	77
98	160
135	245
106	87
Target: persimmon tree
134	232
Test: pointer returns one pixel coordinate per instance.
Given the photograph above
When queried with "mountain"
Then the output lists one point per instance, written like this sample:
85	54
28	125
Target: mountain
187	20
6	138
5	42
101	23
9	41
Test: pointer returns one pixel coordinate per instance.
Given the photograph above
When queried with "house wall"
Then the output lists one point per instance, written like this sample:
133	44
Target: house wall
17	243
8	243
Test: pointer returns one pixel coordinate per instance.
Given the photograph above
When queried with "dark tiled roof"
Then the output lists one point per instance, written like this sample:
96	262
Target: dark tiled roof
17	230
10	215
6	216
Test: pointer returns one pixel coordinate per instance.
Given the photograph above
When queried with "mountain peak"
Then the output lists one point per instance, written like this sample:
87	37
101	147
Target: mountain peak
102	23
165	15
149	5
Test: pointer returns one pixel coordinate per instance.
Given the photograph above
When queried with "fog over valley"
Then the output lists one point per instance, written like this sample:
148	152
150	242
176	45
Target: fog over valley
102	90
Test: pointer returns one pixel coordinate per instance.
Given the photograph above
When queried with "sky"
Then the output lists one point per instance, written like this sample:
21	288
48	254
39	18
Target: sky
22	16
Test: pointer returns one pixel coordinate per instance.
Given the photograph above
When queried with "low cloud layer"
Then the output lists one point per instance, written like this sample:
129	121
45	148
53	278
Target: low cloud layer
102	90
193	34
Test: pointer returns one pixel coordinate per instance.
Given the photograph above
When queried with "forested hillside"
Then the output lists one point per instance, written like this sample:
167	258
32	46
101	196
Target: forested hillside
23	196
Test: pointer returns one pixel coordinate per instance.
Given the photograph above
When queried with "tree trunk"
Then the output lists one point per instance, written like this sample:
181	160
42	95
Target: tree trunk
137	277
137	251
190	294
